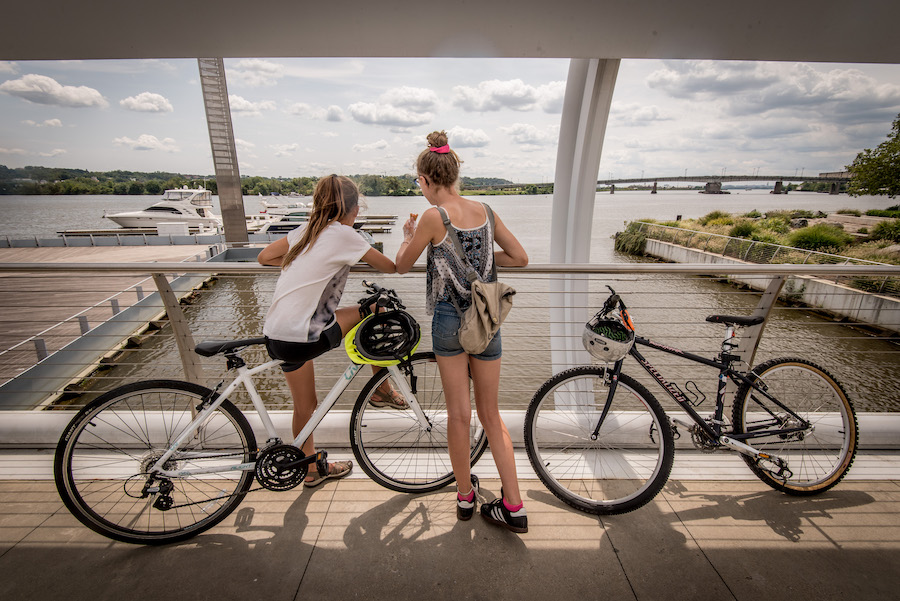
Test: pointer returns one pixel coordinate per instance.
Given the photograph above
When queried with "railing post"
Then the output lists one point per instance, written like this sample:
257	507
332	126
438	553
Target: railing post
193	369
41	348
83	323
750	336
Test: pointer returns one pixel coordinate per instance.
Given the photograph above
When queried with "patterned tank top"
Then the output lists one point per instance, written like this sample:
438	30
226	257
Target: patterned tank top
446	272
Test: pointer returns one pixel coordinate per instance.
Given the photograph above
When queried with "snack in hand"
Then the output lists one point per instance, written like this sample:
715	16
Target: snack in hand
414	216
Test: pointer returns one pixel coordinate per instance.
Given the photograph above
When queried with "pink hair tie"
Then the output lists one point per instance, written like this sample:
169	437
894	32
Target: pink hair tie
445	149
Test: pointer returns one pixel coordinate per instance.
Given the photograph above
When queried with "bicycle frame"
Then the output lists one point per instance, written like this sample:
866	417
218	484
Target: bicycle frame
714	428
245	379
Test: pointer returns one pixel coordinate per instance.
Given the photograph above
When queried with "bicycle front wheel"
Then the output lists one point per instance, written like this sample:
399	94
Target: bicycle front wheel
817	455
620	469
391	445
105	455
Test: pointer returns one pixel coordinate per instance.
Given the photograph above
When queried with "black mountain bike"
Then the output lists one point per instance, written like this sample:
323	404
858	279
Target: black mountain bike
601	442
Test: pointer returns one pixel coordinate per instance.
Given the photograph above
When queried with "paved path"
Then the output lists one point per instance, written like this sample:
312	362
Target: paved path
352	539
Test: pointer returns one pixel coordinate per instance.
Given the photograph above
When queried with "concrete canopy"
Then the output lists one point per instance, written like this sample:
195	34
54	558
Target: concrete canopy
799	30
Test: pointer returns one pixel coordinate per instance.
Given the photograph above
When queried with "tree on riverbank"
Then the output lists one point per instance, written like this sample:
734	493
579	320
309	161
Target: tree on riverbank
878	171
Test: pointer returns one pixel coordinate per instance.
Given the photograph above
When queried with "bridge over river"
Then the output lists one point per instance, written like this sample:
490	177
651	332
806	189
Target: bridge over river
714	182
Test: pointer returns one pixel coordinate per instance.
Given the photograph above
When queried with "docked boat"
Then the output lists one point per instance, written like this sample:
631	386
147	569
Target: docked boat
184	205
283	206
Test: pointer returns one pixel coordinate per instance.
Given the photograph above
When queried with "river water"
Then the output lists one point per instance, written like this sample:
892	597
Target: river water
668	309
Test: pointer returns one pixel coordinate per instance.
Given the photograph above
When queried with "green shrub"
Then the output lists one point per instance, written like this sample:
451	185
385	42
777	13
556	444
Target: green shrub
780	224
854	212
754	214
714	216
763	236
886	230
820	237
721	221
742	229
631	241
891	212
801	214
863	230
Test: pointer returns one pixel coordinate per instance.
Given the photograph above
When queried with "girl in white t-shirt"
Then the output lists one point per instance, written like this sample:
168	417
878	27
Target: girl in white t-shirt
304	320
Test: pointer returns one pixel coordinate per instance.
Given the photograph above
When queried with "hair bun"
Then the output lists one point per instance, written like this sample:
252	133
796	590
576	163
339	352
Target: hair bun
437	138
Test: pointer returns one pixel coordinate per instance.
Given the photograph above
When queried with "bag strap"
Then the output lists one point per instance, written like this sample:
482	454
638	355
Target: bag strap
471	274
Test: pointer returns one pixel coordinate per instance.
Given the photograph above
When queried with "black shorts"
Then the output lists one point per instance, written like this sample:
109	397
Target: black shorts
296	354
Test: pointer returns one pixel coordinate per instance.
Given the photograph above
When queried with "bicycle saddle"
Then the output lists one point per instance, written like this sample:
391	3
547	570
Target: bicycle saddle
735	320
213	347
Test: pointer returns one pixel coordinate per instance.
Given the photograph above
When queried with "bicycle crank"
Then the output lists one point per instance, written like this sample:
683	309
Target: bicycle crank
282	467
773	464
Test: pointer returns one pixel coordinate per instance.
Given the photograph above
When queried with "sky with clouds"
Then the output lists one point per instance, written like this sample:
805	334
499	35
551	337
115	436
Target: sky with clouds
298	117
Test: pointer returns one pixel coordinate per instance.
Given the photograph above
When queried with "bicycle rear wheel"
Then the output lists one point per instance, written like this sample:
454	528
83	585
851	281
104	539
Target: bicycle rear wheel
818	456
104	455
392	447
619	471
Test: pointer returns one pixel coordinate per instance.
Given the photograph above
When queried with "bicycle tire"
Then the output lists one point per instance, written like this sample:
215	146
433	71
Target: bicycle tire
392	447
819	458
628	463
103	453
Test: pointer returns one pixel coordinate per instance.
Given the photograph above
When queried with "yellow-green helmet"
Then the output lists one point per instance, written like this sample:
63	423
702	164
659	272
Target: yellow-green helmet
383	339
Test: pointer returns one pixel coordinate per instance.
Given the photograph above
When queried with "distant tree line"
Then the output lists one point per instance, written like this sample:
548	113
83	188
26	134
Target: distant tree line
50	180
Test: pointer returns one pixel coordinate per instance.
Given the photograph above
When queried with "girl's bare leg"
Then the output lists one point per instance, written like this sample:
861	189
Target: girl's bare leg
455	381
486	377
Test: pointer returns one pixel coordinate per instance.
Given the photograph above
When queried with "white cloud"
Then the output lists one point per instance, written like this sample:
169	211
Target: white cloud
637	114
41	89
550	96
240	144
52	153
13	151
8	67
460	137
283	150
254	72
529	137
302	109
147	102
374	146
147	142
420	100
495	95
243	106
386	114
754	89
45	123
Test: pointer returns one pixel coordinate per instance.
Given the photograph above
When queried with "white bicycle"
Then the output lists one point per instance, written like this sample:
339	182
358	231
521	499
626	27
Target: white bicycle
159	461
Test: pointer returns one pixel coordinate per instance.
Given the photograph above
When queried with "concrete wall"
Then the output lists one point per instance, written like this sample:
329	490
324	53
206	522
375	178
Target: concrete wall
865	307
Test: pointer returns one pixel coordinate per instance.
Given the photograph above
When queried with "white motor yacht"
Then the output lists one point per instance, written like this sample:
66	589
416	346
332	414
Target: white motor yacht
193	207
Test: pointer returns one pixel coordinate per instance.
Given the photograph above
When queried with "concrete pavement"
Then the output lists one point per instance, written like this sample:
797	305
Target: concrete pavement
352	539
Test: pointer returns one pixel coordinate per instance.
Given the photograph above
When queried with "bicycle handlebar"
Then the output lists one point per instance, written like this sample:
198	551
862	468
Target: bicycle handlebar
380	297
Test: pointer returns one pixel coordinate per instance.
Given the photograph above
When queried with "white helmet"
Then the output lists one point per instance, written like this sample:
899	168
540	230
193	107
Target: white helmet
607	338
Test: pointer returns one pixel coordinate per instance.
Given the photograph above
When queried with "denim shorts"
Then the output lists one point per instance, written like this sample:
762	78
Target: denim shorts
445	335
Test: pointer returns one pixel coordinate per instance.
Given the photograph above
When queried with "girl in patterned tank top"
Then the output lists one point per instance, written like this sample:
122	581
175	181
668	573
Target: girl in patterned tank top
437	175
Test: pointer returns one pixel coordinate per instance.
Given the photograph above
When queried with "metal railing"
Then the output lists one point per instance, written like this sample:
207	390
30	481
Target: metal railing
228	301
754	251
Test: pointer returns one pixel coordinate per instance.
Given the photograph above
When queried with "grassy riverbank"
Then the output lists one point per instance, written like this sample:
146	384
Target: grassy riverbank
847	233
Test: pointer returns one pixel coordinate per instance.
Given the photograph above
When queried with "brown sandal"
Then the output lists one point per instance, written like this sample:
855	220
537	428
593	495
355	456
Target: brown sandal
392	399
327	471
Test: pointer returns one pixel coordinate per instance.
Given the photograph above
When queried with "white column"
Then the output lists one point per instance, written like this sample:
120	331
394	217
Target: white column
589	91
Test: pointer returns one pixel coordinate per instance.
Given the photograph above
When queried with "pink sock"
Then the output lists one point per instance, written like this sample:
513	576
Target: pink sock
512	507
468	497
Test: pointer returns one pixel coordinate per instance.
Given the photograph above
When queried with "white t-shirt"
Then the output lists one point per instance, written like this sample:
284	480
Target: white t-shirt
308	291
